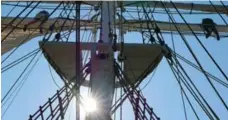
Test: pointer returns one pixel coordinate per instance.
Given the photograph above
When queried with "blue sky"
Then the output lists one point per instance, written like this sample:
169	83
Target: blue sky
163	92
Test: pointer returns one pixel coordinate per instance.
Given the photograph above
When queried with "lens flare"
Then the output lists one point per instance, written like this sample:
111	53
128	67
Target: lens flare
90	105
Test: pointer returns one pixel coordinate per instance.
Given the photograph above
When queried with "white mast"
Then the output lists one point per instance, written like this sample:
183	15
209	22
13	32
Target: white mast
102	75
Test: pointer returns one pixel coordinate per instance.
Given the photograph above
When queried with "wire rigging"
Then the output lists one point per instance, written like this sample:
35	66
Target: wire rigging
197	68
12	21
52	76
10	11
224	6
194	56
21	84
4	38
29	34
11	88
218	13
213	60
16	82
191	53
2	100
141	89
182	90
16	62
190	89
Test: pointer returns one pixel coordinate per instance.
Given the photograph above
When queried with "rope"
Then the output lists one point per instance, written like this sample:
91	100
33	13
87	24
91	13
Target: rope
185	112
11	22
224	6
194	56
218	13
139	79
17	23
53	79
149	80
41	6
143	39
161	40
149	21
202	46
28	36
190	89
197	68
14	63
189	50
22	84
178	63
18	79
24	69
182	90
11	11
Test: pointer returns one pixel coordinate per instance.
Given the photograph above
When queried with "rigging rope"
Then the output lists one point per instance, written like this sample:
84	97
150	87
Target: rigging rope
189	50
23	42
213	60
53	79
149	80
10	12
141	31
218	13
197	68
2	100
183	101
194	56
14	63
184	71
139	79
20	87
20	42
156	28
224	6
190	89
182	90
151	23
17	23
28	36
12	21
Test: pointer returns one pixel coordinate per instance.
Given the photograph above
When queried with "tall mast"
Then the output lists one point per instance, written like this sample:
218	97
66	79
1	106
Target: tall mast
102	74
107	14
78	59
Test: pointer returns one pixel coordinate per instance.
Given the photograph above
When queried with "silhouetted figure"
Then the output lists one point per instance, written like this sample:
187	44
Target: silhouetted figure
57	37
42	17
209	27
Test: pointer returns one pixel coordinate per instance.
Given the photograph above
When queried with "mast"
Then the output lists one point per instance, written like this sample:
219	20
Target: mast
102	74
78	59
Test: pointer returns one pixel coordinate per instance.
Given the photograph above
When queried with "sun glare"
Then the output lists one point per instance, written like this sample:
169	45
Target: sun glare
90	105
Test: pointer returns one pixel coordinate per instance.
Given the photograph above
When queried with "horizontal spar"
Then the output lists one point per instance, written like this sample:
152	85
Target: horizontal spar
131	25
183	6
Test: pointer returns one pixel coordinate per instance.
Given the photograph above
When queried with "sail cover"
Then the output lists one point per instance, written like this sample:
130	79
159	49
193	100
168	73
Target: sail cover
61	55
19	37
158	4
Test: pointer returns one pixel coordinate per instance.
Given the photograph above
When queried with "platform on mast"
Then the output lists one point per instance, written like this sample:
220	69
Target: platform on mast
61	55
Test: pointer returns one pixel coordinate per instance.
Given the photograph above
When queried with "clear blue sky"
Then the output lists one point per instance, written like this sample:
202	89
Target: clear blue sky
163	92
